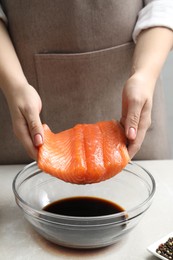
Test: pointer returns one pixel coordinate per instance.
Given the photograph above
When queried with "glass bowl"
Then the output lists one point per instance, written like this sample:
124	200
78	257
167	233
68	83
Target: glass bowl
132	189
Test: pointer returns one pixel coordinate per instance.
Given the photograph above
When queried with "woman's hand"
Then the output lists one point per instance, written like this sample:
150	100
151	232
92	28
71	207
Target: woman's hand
23	100
152	48
25	107
136	110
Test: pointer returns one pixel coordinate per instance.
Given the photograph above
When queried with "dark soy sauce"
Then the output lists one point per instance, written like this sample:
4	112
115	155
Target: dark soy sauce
83	207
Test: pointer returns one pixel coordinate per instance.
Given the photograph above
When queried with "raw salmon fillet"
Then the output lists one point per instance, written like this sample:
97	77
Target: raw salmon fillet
86	153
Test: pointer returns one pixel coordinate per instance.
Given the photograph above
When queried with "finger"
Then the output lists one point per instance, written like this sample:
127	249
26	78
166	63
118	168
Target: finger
145	122
135	145
22	133
132	119
35	128
38	140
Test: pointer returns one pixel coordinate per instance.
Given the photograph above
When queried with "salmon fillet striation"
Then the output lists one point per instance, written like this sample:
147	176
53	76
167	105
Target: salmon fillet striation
84	154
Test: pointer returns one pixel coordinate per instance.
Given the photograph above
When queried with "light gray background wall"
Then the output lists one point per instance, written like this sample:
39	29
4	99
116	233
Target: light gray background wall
167	77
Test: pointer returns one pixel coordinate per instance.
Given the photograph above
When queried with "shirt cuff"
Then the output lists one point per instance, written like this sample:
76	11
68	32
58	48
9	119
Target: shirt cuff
156	13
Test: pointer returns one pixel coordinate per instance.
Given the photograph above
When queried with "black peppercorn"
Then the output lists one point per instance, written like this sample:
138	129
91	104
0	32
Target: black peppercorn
166	249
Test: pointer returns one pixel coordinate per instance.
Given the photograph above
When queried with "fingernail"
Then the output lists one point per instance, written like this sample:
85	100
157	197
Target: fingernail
132	133
38	140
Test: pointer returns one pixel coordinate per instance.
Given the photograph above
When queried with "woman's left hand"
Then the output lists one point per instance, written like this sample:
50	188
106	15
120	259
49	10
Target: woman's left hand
136	110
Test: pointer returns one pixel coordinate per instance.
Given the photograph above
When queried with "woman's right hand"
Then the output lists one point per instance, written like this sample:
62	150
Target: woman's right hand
23	100
25	106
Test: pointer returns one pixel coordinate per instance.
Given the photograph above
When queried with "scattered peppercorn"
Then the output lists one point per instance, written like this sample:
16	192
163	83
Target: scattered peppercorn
166	249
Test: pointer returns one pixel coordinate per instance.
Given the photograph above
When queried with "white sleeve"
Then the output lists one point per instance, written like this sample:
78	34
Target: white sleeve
155	13
2	15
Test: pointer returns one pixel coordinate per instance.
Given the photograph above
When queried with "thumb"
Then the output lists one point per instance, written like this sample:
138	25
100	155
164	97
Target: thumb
36	130
132	122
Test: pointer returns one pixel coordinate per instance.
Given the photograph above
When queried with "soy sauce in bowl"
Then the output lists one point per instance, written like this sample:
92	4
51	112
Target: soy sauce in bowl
83	207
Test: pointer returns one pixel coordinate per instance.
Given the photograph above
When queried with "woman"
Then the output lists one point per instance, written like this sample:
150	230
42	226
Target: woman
77	56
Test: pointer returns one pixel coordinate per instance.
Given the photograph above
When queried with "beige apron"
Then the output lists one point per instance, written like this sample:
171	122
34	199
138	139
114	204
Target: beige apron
77	54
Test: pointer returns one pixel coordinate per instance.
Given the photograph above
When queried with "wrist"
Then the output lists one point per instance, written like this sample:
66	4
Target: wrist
144	74
13	87
142	82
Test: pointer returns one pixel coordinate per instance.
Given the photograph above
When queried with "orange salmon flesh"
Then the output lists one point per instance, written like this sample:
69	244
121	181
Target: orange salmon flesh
86	153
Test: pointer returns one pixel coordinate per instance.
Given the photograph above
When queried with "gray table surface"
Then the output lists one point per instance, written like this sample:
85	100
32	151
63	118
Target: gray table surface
18	241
